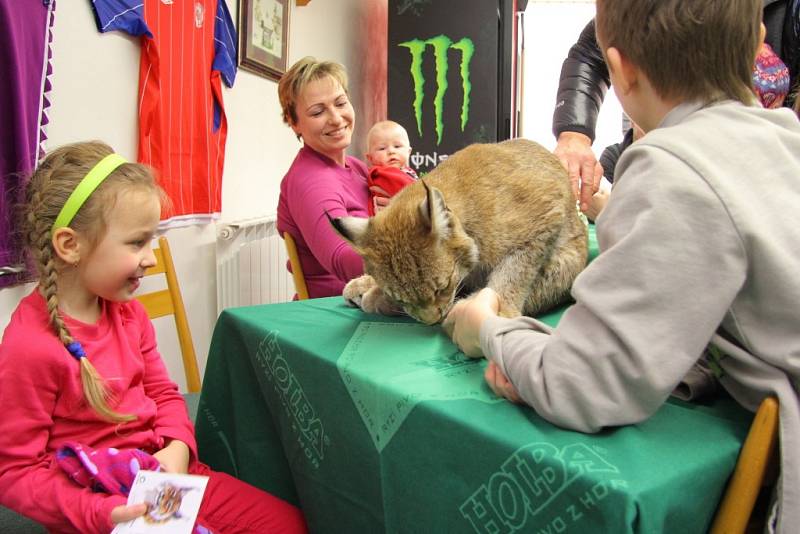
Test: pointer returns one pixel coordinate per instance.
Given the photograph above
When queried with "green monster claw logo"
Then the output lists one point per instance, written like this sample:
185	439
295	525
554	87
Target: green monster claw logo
441	44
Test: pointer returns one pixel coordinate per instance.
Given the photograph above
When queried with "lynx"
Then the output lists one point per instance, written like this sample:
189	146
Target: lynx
500	215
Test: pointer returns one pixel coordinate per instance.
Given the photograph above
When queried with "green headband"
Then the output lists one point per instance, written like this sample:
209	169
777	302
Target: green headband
94	178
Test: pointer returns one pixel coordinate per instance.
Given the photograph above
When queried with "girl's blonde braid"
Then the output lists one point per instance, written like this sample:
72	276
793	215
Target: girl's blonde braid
94	386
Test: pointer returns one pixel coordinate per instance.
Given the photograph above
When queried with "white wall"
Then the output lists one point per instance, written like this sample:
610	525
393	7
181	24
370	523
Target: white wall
551	28
260	147
95	81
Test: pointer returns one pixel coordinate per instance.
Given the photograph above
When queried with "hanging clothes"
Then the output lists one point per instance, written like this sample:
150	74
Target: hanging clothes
188	49
26	36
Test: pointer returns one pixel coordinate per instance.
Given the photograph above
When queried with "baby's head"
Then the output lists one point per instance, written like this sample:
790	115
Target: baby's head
388	145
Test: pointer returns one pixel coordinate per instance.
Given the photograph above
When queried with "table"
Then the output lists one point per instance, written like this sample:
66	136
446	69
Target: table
379	424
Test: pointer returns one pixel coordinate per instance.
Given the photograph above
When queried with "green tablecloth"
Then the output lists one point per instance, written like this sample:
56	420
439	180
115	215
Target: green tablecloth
377	424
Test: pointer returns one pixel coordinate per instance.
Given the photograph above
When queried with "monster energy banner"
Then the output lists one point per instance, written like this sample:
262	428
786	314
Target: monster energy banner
446	81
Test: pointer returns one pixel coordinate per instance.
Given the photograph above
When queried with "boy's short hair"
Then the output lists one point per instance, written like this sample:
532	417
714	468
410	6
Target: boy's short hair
299	75
688	49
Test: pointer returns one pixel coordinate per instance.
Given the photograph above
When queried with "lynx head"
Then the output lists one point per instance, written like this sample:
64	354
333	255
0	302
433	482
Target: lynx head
415	249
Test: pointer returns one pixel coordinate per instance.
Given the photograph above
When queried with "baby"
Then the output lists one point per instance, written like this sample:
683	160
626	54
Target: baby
388	152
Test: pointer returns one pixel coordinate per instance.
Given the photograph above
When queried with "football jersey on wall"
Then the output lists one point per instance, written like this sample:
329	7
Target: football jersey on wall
188	49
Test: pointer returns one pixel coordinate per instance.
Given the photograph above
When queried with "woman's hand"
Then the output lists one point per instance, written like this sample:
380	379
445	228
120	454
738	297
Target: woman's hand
174	458
463	323
500	384
124	513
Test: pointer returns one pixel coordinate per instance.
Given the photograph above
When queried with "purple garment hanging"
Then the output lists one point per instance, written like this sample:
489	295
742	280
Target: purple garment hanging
25	54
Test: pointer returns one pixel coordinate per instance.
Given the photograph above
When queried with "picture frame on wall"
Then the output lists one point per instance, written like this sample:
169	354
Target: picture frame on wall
264	37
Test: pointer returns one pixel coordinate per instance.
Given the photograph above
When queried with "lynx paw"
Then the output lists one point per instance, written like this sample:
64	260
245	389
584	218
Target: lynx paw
355	289
363	292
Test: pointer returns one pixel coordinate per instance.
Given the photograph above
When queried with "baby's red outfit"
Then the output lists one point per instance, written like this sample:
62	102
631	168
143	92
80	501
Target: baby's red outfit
390	179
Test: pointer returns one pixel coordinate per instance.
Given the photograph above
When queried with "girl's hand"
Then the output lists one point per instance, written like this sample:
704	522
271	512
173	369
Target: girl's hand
174	458
124	513
501	386
463	323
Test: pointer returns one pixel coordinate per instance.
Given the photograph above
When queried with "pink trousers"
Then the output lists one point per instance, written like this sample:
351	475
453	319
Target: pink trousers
231	506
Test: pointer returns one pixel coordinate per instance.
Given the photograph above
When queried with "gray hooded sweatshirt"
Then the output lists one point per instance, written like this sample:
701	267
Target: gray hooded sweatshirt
700	244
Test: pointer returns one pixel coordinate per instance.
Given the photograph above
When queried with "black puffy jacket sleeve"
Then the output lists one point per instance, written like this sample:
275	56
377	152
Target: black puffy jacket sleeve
582	86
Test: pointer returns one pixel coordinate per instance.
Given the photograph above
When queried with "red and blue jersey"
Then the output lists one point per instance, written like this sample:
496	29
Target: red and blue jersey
188	49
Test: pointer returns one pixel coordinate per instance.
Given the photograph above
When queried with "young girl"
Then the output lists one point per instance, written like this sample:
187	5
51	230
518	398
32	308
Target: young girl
79	368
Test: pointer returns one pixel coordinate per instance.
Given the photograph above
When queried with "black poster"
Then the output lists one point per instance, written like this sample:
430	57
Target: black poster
444	74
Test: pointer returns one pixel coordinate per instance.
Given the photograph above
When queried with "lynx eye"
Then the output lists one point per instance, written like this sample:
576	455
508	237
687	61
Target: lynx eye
447	284
394	298
444	288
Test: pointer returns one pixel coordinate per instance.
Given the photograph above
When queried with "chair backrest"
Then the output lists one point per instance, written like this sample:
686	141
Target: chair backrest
756	458
297	269
169	302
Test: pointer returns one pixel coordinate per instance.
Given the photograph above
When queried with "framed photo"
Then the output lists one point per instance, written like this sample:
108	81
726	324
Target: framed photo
264	36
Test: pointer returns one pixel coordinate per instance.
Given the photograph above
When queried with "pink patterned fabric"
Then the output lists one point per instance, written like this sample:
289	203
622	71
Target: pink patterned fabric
106	469
770	78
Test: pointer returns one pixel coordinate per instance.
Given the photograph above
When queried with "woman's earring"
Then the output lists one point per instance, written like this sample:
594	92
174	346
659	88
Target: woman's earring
75	265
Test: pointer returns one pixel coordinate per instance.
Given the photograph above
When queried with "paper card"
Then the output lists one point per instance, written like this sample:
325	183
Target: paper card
173	501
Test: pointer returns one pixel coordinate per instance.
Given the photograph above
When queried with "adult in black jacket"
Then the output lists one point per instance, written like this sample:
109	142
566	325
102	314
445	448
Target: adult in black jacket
584	82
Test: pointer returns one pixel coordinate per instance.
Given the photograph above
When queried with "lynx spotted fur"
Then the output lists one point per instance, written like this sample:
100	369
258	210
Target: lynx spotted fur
500	215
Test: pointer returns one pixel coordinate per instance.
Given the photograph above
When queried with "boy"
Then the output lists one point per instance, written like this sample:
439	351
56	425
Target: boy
698	242
388	153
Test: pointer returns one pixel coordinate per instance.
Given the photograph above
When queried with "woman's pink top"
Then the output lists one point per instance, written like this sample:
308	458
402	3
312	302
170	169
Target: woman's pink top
314	185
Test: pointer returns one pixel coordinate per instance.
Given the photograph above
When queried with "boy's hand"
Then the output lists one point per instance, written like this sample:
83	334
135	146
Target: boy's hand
574	151
599	201
174	458
500	384
463	323
124	513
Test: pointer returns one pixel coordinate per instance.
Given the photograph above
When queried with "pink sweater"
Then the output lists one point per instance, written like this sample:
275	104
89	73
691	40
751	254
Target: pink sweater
313	185
42	402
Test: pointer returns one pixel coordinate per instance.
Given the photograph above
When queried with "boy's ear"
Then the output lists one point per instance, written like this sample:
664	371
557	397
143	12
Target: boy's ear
623	73
66	245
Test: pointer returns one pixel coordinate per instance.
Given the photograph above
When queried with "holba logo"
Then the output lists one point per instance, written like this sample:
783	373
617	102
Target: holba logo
303	417
542	488
440	44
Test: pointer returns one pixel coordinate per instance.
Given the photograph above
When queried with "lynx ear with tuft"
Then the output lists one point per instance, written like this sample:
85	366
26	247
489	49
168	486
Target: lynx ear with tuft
352	229
434	212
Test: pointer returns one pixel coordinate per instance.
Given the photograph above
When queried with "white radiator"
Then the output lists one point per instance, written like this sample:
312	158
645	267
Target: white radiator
251	264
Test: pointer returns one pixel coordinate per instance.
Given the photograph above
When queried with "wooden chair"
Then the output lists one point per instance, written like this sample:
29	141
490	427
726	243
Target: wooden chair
297	270
756	459
169	302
